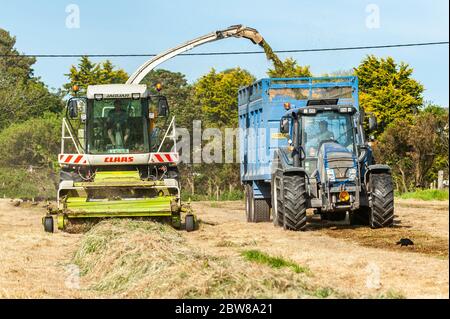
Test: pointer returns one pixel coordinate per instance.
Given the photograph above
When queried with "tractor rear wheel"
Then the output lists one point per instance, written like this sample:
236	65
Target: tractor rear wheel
294	199
382	197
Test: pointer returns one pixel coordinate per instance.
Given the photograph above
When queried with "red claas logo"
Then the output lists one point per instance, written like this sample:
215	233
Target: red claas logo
119	159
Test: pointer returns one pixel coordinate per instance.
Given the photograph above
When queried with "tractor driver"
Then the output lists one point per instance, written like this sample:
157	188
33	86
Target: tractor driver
323	135
117	121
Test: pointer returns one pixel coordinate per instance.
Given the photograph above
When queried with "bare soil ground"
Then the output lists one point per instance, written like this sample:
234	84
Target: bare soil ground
355	262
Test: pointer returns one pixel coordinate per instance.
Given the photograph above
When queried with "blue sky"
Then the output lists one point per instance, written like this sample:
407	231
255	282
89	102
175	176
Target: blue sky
114	27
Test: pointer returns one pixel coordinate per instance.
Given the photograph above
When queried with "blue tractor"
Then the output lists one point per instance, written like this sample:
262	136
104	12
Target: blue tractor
302	145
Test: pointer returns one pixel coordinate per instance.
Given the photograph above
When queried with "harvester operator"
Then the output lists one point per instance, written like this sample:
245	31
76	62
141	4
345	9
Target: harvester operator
117	122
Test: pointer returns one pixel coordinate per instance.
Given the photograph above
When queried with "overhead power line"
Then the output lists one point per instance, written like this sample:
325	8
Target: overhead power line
230	53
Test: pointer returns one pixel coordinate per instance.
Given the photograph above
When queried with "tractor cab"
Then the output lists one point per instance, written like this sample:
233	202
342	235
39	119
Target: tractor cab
324	142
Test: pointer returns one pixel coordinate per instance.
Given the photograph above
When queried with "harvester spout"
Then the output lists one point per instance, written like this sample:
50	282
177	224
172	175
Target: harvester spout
237	31
240	31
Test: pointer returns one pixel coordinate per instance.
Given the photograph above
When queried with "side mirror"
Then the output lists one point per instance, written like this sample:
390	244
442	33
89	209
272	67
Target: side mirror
284	126
372	123
163	107
72	108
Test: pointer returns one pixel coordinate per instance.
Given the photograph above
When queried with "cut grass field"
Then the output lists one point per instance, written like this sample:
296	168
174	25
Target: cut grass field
144	259
426	194
226	258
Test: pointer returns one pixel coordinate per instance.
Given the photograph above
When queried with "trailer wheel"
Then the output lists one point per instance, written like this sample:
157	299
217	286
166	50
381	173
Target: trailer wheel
382	197
261	210
294	200
257	210
190	223
48	224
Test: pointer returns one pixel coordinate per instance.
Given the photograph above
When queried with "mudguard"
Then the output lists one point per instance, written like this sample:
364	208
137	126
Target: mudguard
283	162
379	168
376	168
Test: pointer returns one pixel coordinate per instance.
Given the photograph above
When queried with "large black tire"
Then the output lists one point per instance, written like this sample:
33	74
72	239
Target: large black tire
261	210
48	224
382	198
294	200
190	223
277	201
257	210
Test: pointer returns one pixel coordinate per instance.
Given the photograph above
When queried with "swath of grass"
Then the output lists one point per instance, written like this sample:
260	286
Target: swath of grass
274	262
387	238
142	259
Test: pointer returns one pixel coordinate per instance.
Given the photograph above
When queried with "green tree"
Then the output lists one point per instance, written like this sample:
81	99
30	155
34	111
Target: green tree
216	95
39	146
90	73
178	92
22	95
388	90
415	148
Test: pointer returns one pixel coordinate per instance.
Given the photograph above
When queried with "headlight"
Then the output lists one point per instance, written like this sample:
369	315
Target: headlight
351	174
330	174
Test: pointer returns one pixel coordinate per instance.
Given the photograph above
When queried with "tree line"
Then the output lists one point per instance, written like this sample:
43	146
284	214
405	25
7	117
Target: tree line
412	135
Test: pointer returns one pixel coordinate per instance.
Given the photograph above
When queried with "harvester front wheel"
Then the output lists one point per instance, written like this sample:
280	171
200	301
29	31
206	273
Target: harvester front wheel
190	223
294	202
48	224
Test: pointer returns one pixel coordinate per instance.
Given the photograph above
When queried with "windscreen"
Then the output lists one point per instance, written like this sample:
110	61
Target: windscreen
117	126
325	126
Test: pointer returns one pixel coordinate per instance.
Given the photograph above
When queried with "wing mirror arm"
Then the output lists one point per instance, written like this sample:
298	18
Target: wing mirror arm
284	126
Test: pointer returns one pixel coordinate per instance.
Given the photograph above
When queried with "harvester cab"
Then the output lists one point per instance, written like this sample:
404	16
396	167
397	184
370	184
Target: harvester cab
118	157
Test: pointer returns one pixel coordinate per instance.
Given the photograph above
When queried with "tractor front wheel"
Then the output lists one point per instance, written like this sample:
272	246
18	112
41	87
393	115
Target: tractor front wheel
294	202
382	199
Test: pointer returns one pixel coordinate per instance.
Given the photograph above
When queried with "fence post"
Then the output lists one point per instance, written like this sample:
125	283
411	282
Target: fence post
441	180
